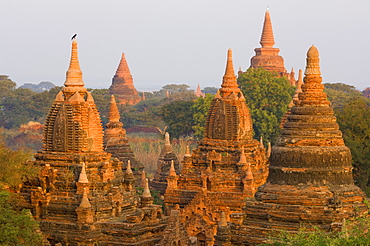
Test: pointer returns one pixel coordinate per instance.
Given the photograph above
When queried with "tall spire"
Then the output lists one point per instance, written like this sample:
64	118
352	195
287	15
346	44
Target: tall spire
267	37
74	73
229	83
113	110
123	70
312	89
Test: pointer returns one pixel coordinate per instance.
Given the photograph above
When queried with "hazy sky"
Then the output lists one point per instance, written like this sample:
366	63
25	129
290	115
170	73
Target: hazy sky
175	42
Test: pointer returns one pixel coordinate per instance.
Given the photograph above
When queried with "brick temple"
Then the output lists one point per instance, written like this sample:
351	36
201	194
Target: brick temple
82	196
230	190
267	57
166	158
225	169
116	143
123	84
310	181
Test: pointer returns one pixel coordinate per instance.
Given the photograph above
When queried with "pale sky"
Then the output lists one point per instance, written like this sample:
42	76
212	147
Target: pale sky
176	42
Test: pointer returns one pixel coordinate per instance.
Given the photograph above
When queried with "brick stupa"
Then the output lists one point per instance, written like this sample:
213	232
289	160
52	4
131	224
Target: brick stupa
123	84
225	169
310	181
82	196
116	143
267	57
166	157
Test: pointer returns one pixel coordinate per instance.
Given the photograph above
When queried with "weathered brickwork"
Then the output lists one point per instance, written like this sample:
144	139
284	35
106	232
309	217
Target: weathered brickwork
166	157
310	180
82	196
225	169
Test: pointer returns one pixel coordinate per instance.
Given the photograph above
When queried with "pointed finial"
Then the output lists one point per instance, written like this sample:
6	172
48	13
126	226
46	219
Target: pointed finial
187	151
243	158
229	83
146	192
223	221
267	37
113	115
143	98
172	169
261	143
85	203
123	69
313	62
83	176
300	78
248	173
74	73
268	153
128	169
299	88
167	138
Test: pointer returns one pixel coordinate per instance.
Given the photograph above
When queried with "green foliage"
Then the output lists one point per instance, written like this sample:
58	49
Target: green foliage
268	96
354	121
200	110
353	116
179	118
356	234
146	113
19	106
339	94
17	227
210	90
13	166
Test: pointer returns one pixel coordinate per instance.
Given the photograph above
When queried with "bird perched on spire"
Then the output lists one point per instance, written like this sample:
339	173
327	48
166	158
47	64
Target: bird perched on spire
74	36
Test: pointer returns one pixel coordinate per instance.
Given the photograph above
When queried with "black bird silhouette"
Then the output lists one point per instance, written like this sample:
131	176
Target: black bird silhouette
74	36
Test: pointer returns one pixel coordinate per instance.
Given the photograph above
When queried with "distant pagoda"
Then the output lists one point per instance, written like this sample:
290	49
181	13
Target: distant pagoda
267	57
310	181
225	169
123	85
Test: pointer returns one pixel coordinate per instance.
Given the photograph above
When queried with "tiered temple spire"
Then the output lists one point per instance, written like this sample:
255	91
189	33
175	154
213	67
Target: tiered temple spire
267	37
267	57
310	179
74	73
212	179
123	85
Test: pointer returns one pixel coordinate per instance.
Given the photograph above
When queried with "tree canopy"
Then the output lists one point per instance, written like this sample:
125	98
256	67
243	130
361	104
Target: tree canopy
200	110
268	97
17	227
